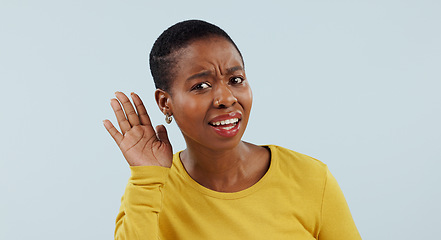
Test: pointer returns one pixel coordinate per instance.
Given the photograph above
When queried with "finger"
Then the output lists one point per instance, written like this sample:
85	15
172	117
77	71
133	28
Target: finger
128	108
161	132
140	108
117	136
120	116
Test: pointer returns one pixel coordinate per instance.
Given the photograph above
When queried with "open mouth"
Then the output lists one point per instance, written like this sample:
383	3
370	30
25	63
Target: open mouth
227	124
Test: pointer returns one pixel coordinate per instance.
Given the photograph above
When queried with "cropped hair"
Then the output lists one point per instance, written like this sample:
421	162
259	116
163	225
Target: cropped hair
163	56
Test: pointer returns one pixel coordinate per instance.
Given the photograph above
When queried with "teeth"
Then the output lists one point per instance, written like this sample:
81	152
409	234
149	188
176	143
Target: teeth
228	128
226	122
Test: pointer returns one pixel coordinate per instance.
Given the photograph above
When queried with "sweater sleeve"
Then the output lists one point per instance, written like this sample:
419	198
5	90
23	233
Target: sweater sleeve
141	203
337	222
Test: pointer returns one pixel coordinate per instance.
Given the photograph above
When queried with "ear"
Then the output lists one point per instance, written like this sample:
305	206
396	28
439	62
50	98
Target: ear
163	101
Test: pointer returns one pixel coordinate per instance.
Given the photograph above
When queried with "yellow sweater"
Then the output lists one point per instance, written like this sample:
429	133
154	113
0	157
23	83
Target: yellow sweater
298	198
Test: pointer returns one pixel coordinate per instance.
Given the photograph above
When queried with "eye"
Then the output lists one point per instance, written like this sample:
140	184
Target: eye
201	86
236	80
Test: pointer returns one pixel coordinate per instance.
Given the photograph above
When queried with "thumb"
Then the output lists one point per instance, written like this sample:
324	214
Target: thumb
162	135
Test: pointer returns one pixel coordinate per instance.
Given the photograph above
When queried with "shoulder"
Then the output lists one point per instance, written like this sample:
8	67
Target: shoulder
289	156
299	165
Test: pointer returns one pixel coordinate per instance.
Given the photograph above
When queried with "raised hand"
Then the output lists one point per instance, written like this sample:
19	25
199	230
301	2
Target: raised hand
140	144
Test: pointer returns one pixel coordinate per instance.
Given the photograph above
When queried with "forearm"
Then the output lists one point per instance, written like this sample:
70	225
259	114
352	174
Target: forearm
141	204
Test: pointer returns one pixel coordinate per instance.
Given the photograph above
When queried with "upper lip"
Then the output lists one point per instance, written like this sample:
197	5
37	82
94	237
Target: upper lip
224	117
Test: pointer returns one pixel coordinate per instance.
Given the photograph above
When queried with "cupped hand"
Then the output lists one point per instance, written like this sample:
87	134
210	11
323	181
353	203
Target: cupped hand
140	144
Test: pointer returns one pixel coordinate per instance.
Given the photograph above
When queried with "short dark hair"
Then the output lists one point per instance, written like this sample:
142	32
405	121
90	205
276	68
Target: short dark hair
162	59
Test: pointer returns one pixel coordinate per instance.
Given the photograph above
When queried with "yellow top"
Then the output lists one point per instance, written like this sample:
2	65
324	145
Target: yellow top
298	198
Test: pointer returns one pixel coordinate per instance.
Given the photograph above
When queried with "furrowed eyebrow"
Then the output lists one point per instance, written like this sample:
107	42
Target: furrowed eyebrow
207	73
234	69
199	75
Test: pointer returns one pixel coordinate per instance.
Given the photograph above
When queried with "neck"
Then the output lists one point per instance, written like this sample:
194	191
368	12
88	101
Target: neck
227	170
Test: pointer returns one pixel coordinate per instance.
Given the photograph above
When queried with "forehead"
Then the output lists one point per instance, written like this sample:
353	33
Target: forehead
211	51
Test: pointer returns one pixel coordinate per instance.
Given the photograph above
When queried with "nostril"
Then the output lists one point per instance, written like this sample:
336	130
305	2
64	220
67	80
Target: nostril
225	101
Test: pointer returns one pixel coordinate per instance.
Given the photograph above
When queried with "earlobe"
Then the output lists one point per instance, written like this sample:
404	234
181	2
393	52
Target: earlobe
163	101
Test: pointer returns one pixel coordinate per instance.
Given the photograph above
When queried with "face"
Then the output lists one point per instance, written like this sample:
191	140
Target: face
210	96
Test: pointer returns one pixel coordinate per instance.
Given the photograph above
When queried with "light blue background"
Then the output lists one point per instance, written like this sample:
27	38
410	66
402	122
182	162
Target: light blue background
355	84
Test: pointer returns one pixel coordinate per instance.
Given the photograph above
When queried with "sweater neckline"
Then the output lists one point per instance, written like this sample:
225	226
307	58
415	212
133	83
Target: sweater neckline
189	181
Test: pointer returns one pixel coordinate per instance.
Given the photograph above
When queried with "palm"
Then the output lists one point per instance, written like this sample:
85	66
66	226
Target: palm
140	144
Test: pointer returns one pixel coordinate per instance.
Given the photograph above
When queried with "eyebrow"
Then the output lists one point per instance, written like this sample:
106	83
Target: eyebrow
208	72
234	69
199	75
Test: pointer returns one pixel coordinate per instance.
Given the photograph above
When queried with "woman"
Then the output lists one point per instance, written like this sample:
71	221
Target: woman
219	187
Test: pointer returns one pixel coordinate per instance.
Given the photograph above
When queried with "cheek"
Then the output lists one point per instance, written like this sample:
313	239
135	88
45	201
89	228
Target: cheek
189	108
246	97
250	95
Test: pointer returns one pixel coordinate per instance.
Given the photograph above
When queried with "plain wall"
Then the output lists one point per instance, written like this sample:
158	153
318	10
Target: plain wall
355	84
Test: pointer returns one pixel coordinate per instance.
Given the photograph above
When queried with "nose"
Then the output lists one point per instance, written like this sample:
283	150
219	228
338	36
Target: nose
224	97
